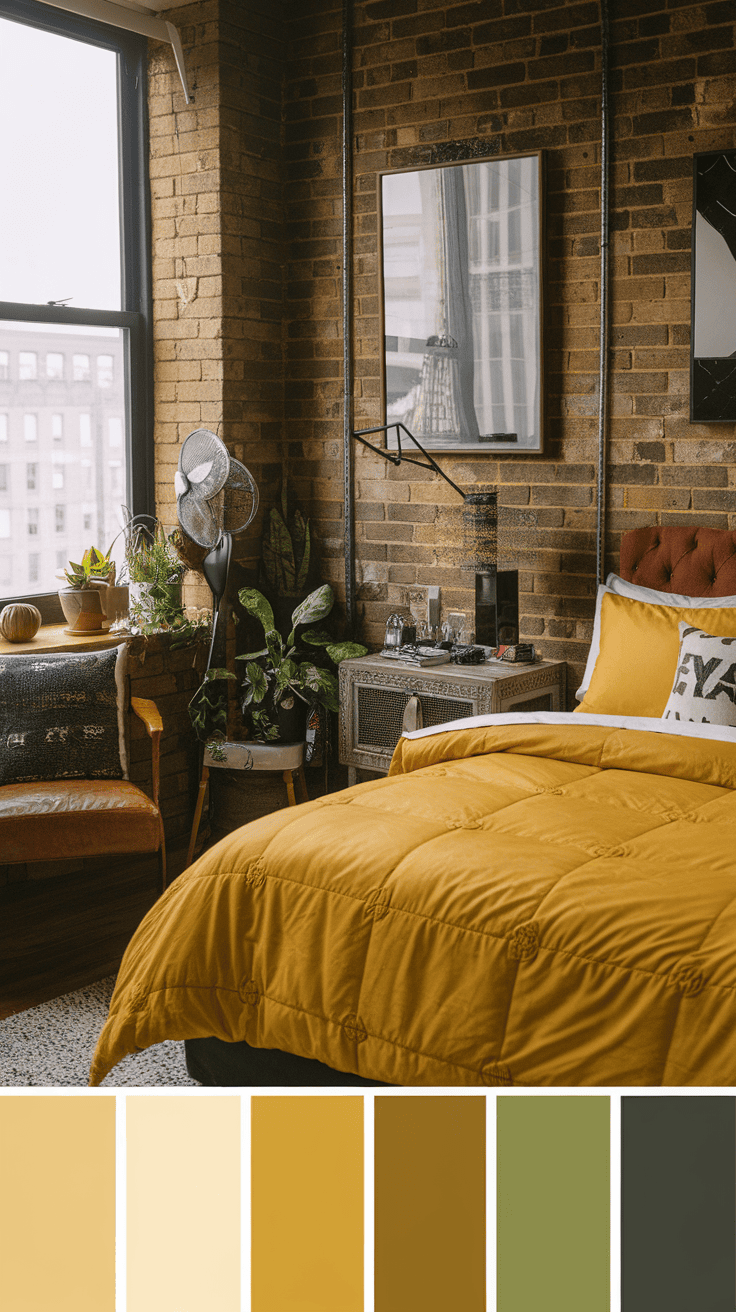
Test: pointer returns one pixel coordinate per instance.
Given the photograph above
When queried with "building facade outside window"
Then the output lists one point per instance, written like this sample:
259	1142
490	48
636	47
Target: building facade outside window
75	377
54	366
27	366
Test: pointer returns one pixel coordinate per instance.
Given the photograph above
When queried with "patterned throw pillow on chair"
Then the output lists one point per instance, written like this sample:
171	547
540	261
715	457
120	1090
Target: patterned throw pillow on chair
62	716
705	683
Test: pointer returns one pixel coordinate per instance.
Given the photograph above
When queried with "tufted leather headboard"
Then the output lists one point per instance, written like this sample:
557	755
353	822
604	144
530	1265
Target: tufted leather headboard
699	562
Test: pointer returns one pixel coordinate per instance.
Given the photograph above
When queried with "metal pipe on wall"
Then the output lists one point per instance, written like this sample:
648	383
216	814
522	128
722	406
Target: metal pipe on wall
347	310
604	351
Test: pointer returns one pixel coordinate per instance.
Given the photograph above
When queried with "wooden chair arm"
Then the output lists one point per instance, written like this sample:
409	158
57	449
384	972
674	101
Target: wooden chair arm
148	712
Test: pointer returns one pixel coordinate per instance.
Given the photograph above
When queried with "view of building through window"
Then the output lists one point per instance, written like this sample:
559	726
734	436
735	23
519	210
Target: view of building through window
67	495
72	117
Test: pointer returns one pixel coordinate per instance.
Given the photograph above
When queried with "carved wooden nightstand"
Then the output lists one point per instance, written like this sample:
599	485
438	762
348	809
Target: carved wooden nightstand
374	692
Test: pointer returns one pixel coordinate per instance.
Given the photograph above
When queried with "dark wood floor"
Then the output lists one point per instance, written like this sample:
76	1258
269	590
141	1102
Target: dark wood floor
64	931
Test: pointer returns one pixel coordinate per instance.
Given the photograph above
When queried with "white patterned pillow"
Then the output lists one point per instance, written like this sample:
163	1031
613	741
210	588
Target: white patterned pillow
704	690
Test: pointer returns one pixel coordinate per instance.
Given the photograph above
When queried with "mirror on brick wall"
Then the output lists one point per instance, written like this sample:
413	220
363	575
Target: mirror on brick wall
713	350
462	303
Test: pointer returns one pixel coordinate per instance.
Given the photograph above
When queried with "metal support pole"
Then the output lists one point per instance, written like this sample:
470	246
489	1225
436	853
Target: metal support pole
347	311
604	351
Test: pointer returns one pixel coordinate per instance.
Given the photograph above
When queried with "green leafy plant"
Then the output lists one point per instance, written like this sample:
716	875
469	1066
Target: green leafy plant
95	566
286	549
208	707
151	555
284	667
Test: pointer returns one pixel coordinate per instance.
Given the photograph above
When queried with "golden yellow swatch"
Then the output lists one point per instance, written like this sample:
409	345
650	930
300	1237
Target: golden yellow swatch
57	1204
183	1187
307	1204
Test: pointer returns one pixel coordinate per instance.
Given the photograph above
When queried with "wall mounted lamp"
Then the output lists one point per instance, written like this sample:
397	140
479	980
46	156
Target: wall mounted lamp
496	592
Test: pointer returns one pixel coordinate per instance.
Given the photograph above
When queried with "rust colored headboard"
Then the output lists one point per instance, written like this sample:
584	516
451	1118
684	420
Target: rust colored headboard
699	562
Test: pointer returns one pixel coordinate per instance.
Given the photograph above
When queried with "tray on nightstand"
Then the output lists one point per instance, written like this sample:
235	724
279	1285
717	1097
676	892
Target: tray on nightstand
374	694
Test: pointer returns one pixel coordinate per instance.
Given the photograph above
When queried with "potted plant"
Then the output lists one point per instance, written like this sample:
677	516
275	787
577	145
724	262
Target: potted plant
155	569
83	602
287	560
284	679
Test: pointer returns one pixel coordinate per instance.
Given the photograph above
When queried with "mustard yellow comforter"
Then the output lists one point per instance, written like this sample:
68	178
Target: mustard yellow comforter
526	904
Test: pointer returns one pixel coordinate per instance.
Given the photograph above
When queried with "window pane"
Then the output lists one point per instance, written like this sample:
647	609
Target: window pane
104	371
3	428
27	365
58	105
3	478
54	365
80	365
4	365
70	454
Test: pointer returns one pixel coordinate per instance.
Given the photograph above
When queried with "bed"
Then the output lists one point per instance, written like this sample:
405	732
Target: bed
526	900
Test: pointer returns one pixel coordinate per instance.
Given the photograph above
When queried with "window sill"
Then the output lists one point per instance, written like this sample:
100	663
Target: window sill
54	637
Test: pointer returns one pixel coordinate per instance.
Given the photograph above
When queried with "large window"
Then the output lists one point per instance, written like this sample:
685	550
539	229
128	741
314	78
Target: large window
75	352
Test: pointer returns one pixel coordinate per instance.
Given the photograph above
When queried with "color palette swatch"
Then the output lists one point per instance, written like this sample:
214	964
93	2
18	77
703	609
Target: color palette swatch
553	1201
307	1204
57	1204
396	1202
430	1188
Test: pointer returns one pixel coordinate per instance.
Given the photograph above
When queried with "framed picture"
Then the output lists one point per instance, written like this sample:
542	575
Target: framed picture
713	337
462	303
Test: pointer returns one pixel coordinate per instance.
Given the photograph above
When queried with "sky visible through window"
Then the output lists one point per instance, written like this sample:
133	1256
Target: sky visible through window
59	214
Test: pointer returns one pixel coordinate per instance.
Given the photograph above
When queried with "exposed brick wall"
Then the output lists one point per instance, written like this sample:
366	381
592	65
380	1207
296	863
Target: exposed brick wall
521	75
217	217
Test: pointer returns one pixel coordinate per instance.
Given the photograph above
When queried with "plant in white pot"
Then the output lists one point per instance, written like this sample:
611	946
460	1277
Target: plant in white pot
285	678
83	601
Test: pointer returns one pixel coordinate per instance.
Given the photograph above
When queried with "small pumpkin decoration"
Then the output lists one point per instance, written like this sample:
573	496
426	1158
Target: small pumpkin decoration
19	622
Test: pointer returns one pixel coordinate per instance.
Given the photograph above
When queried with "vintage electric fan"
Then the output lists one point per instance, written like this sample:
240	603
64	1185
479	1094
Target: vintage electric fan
216	497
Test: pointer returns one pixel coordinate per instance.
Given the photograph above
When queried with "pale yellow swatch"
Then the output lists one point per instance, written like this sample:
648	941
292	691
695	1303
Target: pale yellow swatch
57	1204
307	1204
183	1191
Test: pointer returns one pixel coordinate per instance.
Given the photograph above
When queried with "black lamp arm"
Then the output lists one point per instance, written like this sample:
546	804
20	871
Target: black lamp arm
361	434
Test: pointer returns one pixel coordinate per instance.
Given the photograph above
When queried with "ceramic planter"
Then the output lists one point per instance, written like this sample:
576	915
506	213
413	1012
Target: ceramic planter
83	610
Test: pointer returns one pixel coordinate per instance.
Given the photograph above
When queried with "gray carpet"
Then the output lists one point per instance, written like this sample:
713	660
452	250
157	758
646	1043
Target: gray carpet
53	1045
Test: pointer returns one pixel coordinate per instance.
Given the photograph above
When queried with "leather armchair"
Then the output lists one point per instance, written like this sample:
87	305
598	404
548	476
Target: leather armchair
74	818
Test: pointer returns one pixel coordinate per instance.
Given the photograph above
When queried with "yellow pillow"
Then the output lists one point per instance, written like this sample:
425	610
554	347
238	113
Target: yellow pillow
639	646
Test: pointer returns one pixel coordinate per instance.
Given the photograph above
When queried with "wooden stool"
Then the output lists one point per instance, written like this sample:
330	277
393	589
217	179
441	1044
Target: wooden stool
286	757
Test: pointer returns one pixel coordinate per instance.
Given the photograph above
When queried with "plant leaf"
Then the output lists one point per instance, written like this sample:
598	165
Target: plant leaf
255	603
252	655
301	578
317	637
345	651
257	679
314	607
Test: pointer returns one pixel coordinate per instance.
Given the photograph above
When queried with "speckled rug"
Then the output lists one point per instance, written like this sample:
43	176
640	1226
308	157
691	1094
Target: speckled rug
53	1045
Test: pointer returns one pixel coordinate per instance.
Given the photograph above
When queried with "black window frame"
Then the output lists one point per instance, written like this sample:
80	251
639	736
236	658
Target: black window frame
136	314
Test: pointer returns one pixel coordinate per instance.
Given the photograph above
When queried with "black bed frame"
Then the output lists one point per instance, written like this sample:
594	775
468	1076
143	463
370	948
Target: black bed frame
218	1064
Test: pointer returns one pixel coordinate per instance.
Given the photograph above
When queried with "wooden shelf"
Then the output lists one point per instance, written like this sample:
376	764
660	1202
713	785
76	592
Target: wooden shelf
54	637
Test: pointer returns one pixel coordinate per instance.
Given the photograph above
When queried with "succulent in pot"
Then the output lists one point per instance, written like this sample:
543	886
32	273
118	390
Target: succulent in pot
285	676
82	602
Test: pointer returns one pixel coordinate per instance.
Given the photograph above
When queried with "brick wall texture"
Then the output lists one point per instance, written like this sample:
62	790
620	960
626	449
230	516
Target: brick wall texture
247	203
